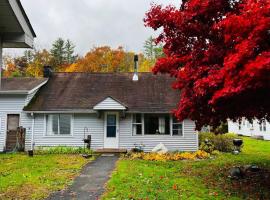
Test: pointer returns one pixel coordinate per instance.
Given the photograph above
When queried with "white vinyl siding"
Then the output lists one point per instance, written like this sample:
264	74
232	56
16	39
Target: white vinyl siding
109	104
188	142
82	125
12	104
95	127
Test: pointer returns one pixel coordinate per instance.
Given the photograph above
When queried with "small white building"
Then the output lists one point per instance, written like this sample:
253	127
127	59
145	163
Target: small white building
250	129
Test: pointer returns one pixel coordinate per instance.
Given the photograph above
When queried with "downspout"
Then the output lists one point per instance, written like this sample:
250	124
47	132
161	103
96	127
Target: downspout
32	136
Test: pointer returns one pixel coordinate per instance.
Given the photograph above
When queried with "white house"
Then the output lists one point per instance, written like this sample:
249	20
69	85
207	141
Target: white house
118	112
250	129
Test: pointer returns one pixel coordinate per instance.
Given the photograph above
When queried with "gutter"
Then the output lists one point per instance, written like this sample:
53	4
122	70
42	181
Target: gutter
90	111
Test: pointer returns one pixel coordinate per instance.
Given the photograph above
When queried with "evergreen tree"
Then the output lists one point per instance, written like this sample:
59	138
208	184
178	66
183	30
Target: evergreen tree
69	49
58	52
151	50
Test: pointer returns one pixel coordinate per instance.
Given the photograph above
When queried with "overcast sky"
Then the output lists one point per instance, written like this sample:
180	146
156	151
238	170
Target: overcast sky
90	23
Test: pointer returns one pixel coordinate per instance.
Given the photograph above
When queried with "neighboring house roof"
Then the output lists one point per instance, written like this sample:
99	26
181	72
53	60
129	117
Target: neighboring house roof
83	91
21	85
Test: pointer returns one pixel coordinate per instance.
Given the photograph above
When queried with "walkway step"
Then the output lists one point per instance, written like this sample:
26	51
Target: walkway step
89	185
111	150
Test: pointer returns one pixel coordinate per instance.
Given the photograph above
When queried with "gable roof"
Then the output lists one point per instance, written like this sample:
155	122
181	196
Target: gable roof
21	85
83	91
110	104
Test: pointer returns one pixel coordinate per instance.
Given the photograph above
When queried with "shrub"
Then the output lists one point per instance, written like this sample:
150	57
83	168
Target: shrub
62	150
169	156
221	142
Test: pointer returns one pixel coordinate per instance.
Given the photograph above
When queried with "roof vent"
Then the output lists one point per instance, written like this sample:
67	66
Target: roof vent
136	76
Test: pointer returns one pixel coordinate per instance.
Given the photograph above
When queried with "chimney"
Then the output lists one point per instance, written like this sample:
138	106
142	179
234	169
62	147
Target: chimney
47	71
136	76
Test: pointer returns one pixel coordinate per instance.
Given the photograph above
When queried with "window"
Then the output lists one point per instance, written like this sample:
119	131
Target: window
58	124
157	124
177	127
239	125
263	126
137	125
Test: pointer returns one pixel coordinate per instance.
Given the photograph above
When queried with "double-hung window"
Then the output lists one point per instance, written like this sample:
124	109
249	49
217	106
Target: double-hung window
177	127
263	126
58	124
137	124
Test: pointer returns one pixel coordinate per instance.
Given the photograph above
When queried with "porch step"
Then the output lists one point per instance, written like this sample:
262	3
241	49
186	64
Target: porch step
111	150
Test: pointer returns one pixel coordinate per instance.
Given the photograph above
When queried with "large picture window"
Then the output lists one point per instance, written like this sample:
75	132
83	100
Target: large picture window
156	124
58	124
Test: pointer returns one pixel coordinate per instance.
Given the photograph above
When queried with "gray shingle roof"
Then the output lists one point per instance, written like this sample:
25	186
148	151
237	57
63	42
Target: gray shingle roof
78	91
20	84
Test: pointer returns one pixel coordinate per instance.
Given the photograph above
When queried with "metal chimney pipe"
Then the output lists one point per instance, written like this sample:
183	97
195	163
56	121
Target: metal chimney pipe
135	76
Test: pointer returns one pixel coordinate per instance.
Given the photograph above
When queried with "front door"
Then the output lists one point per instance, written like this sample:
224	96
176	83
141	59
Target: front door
111	132
13	121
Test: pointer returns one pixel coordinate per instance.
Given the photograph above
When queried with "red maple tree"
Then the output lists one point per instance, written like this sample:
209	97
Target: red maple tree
219	52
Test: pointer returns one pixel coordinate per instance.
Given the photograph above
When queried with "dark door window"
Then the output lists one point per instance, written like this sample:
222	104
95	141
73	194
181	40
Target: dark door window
111	125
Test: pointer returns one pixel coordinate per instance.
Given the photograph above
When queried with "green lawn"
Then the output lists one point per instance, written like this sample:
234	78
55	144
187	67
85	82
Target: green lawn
23	177
206	179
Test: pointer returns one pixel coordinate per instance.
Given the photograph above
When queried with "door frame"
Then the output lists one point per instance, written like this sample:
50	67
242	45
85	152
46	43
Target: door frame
105	131
6	124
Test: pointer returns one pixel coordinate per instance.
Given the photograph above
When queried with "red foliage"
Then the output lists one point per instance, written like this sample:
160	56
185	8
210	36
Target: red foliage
219	52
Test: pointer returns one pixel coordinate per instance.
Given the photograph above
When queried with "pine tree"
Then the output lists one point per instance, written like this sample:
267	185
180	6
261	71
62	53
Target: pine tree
58	52
69	52
151	50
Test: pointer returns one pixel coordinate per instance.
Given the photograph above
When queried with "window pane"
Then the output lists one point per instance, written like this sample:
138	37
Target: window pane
178	129
111	131
54	119
137	118
64	124
13	122
137	129
178	132
151	124
175	120
111	120
157	124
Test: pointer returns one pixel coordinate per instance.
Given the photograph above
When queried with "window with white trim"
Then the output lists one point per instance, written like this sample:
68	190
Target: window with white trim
156	124
263	126
151	124
137	124
58	124
177	127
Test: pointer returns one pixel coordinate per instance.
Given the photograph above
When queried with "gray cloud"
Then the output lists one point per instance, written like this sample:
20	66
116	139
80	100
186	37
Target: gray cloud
91	23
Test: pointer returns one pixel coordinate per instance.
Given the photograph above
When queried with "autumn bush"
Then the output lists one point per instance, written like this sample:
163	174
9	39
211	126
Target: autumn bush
169	156
220	142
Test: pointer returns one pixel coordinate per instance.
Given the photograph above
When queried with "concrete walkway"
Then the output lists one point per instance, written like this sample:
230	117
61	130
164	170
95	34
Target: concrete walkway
90	184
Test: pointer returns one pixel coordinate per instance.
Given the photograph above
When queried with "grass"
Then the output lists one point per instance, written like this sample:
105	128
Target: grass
23	177
204	179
